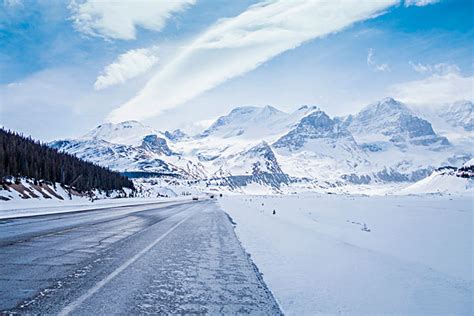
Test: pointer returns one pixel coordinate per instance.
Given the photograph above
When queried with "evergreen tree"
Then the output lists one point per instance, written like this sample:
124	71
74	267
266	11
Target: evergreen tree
23	157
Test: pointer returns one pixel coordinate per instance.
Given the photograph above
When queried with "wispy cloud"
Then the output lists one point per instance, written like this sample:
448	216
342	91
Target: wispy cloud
445	84
420	3
371	62
234	46
441	68
128	65
119	19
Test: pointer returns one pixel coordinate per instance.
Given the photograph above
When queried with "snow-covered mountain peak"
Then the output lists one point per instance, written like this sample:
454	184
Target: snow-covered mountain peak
392	121
127	132
317	122
249	120
385	142
251	112
257	161
384	107
270	110
257	123
460	113
316	125
156	145
175	135
261	147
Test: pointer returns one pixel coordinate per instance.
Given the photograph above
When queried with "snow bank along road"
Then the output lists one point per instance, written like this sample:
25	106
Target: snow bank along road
179	257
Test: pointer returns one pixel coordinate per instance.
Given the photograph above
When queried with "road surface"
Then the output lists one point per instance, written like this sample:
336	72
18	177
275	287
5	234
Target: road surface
178	257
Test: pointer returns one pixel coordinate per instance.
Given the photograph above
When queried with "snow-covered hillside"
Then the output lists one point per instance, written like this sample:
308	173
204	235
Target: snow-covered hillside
125	133
151	154
446	180
23	189
441	182
454	121
386	142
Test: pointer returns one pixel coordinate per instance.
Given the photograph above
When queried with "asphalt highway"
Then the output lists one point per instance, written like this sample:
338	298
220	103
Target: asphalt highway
181	257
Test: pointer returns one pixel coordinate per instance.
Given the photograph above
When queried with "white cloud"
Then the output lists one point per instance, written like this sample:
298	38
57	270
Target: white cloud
441	87
420	3
119	19
128	65
441	68
371	62
420	68
196	127
233	46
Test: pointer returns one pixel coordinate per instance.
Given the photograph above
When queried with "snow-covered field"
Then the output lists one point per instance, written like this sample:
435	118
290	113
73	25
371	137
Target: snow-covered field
359	254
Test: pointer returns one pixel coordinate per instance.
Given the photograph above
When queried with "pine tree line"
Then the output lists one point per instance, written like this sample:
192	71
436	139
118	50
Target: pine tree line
24	157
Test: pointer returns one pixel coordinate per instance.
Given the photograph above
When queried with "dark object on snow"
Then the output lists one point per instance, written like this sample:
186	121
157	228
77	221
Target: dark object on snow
365	228
195	198
274	213
220	195
211	196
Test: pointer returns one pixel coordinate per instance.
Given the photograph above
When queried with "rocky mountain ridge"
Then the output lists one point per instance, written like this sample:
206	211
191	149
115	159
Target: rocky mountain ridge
386	142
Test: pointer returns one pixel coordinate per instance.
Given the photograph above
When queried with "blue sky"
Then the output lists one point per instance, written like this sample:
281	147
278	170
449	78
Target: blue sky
67	66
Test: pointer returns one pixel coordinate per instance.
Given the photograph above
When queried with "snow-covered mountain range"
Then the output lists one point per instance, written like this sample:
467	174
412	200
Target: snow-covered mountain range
386	142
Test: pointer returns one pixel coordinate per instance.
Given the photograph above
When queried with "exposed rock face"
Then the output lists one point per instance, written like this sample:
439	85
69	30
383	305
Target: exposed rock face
157	145
266	162
396	122
175	135
317	125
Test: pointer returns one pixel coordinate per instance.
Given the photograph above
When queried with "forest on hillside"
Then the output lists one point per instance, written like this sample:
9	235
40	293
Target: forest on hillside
24	157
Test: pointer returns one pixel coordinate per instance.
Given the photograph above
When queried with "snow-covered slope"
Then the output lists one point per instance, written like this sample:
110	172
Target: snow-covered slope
152	155
175	135
444	180
125	133
256	160
24	189
460	113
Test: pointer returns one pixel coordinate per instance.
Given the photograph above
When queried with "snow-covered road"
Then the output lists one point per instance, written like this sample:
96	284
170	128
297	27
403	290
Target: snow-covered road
178	258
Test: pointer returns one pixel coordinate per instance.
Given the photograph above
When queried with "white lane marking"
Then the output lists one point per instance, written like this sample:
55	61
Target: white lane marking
72	306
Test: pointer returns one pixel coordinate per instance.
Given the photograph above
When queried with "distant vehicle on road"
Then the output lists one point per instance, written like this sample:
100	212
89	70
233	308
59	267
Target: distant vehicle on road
195	198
